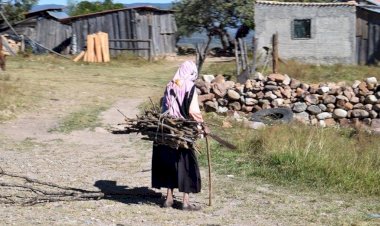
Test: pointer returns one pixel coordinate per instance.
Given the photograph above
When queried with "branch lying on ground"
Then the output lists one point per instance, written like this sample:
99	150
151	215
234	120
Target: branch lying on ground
26	191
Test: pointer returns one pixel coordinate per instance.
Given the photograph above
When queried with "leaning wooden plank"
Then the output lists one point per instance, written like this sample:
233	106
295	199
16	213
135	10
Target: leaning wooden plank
98	48
80	56
106	46
90	48
85	58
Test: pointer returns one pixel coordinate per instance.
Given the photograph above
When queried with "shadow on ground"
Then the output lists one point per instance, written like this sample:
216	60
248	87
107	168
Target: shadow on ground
124	194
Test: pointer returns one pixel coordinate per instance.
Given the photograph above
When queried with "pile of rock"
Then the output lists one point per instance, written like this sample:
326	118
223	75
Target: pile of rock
323	104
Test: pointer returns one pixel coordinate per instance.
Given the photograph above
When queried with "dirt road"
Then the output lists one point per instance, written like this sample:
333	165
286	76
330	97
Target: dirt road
100	161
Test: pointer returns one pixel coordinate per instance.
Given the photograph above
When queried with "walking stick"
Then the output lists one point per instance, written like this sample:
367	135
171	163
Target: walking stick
209	172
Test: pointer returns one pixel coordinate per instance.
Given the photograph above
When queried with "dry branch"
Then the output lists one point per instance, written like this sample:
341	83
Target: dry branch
163	129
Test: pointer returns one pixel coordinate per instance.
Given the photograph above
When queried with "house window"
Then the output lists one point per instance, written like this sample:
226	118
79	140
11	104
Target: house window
301	29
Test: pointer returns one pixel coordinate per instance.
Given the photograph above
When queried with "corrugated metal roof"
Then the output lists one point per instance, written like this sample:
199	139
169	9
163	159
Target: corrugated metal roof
307	3
375	9
148	8
376	2
58	15
41	8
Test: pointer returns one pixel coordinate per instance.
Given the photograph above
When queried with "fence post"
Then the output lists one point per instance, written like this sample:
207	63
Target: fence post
275	53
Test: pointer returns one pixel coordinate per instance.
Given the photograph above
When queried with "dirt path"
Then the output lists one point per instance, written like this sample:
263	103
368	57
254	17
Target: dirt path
96	160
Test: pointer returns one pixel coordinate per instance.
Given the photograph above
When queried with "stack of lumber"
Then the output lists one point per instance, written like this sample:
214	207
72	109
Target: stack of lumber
97	49
163	129
10	46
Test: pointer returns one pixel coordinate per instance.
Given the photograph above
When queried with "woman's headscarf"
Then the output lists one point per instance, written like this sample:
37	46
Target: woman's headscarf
182	83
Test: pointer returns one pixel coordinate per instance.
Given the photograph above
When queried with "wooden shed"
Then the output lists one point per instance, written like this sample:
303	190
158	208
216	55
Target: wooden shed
368	34
134	29
44	27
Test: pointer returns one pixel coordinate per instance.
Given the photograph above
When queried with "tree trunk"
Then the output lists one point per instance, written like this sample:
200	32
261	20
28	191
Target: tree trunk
202	51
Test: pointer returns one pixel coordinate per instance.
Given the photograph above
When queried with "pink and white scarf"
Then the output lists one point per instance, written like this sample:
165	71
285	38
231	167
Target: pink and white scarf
182	83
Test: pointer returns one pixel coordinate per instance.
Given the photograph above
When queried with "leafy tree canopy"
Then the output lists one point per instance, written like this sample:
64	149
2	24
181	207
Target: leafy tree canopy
212	16
15	10
85	7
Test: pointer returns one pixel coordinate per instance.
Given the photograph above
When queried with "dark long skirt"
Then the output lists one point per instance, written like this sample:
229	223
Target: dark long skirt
173	168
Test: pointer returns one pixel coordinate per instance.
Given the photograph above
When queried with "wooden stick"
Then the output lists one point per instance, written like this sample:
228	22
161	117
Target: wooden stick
77	58
209	172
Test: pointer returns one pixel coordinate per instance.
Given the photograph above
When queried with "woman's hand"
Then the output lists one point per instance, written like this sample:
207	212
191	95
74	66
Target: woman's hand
206	130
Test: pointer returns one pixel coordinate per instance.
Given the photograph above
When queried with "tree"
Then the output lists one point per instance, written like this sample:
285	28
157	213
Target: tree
213	17
15	10
85	7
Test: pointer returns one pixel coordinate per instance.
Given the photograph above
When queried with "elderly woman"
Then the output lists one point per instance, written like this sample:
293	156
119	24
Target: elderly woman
178	168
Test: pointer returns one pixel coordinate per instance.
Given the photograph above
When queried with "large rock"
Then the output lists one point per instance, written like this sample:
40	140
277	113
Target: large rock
371	81
294	84
299	107
219	79
356	84
203	98
302	117
354	100
236	106
208	78
287	80
219	89
222	110
229	84
251	101
258	76
276	77
233	95
211	106
312	99
322	107
359	113
340	113
314	109
376	107
324	115
371	99
270	87
329	99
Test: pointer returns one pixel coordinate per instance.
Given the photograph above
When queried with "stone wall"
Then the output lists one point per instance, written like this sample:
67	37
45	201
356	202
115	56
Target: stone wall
323	104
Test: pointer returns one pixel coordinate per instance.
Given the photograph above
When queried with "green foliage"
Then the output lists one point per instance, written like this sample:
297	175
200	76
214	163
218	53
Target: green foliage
343	160
15	10
212	16
85	7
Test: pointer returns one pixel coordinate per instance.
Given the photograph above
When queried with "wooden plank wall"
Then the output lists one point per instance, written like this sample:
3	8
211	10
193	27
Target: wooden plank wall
367	37
53	35
130	24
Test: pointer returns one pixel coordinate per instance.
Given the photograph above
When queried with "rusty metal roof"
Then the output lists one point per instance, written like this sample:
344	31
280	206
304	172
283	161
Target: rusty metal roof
317	4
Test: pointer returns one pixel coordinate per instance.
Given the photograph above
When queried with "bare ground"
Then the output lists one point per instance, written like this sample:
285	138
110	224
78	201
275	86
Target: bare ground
98	160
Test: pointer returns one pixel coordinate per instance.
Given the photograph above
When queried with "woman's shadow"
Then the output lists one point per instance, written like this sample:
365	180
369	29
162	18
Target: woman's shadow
124	194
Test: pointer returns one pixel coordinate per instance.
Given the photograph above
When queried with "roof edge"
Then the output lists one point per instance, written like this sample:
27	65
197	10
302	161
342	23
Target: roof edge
350	3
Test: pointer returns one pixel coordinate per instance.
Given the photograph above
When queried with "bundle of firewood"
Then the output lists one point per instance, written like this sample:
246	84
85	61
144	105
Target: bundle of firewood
163	129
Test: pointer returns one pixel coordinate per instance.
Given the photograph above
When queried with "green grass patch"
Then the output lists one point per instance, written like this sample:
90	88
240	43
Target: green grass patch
305	72
341	160
82	119
328	73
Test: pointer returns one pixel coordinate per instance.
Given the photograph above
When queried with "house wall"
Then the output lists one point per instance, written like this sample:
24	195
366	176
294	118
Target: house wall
332	32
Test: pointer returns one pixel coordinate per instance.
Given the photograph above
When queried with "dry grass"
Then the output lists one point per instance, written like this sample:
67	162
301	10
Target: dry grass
341	160
30	81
